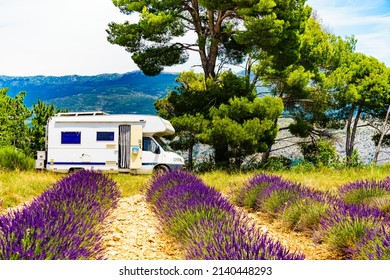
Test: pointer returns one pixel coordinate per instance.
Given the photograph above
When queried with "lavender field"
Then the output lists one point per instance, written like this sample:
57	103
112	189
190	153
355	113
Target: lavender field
69	220
65	222
354	222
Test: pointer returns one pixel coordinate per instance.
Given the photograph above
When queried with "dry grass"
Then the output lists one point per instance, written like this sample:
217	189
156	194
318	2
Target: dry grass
20	187
324	179
327	179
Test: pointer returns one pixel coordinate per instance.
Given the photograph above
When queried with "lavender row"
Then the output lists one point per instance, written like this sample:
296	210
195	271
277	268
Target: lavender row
206	223
65	222
349	223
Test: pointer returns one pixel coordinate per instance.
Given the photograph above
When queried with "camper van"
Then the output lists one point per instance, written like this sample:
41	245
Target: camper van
116	143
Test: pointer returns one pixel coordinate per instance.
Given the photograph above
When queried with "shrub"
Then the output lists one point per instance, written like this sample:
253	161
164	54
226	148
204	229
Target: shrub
368	192
162	181
305	214
276	164
235	239
299	206
346	226
205	222
374	246
13	159
65	222
192	202
321	153
248	195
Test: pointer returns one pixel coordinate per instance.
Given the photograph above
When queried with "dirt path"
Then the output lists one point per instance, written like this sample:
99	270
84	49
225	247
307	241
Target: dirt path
134	235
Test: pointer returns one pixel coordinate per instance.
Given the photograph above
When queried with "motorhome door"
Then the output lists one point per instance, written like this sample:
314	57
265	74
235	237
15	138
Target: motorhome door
130	146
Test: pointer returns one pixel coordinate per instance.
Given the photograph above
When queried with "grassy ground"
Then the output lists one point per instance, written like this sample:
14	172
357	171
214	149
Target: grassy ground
20	187
322	179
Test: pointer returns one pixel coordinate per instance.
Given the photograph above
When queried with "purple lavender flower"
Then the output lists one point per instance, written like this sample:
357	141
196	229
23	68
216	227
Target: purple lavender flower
65	222
344	227
162	181
234	239
375	245
206	223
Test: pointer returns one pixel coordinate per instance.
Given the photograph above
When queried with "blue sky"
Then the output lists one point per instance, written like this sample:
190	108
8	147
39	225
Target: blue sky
367	20
64	37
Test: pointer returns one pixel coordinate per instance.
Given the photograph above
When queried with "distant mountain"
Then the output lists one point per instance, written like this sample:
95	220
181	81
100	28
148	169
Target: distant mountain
131	92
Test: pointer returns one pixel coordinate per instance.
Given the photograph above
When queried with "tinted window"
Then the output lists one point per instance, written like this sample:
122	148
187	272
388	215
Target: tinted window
70	137
105	136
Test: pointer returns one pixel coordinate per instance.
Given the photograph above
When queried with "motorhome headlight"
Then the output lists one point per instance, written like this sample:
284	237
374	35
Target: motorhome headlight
178	159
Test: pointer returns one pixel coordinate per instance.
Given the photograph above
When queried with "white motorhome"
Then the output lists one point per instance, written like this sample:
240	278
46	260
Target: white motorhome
116	143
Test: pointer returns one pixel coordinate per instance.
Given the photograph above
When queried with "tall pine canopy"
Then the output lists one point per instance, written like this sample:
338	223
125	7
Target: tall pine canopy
225	31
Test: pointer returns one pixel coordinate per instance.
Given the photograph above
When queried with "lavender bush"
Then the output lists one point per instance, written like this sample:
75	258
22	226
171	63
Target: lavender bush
206	223
300	207
369	192
234	239
65	222
345	227
192	201
162	181
374	246
355	223
253	188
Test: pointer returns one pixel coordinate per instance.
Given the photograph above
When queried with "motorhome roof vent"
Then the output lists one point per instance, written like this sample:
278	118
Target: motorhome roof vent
97	113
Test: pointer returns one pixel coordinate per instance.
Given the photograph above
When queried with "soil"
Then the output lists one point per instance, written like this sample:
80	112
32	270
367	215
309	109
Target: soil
134	234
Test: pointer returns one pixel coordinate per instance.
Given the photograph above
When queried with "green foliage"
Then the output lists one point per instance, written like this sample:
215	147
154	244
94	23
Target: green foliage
204	167
303	166
224	113
346	234
41	113
276	164
13	159
14	130
300	83
385	142
321	153
188	128
181	225
303	215
353	160
242	128
300	128
360	87
272	26
197	95
277	201
247	197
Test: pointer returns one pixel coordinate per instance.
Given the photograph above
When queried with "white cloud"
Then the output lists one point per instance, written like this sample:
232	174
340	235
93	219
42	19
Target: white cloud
59	37
368	21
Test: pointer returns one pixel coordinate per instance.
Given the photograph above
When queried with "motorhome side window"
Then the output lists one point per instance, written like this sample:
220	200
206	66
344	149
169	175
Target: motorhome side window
150	146
70	137
105	136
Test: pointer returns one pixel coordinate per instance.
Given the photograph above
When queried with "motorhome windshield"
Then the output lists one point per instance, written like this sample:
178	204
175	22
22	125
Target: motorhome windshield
163	144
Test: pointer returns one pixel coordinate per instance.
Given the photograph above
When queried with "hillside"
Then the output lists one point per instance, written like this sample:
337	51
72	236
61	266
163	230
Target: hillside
131	92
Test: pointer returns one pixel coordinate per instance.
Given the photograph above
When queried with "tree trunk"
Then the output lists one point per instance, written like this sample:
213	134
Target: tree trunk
348	151
383	133
191	158
208	38
351	134
221	157
265	156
